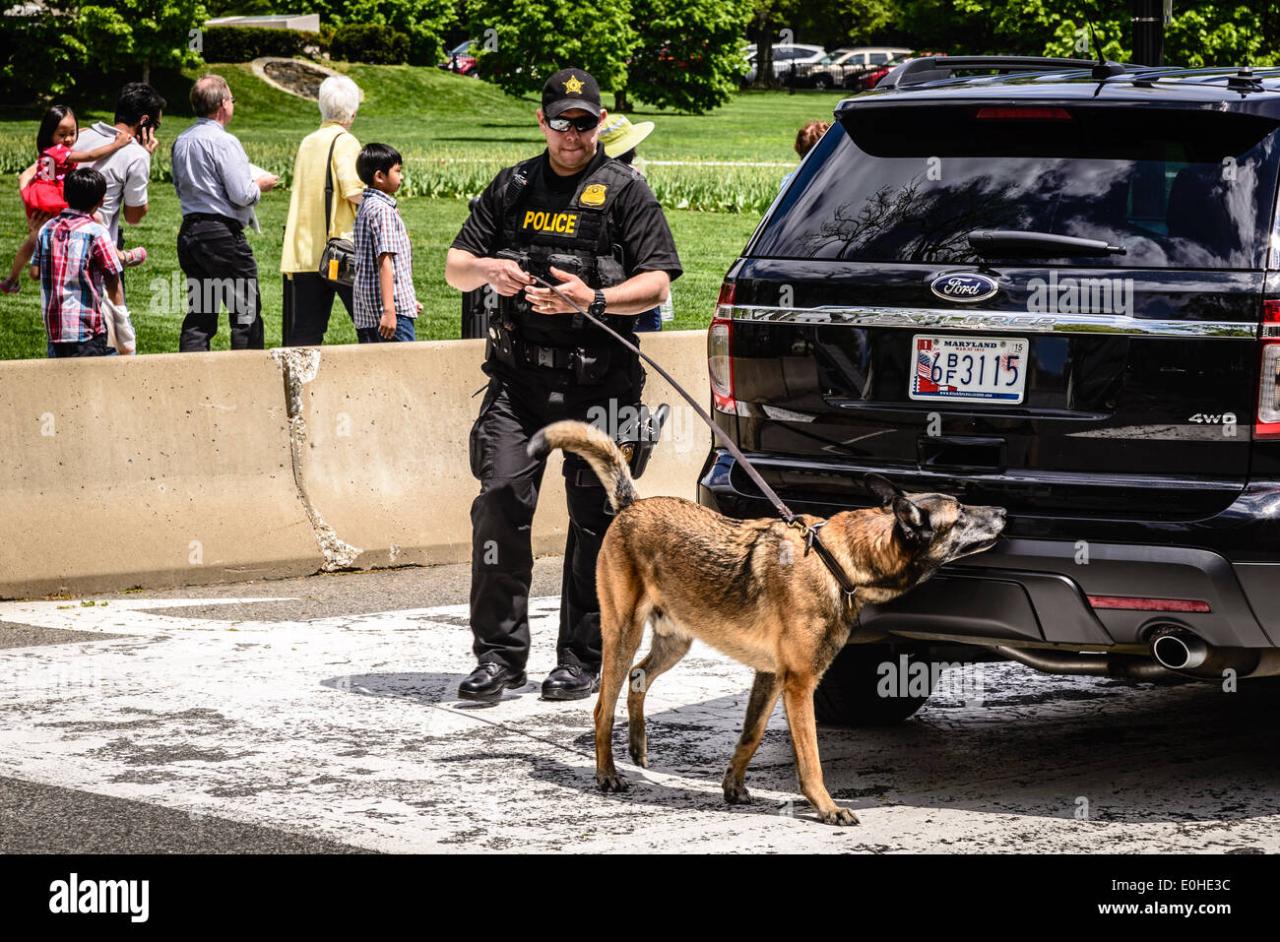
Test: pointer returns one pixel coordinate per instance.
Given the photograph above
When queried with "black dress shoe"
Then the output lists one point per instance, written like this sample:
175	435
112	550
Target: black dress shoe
487	682
570	682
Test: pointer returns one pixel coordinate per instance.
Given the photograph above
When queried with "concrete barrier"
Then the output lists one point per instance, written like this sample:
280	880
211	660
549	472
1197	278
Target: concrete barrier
385	461
157	470
194	468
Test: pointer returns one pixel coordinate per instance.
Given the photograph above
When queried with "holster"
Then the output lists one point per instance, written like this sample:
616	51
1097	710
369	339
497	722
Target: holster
637	438
501	340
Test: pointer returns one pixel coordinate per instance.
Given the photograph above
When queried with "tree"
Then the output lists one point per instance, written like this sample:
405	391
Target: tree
524	41
39	54
423	21
849	22
767	18
1201	33
127	34
689	55
1220	34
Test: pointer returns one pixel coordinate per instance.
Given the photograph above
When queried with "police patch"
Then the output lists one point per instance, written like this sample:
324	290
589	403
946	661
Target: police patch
541	221
594	195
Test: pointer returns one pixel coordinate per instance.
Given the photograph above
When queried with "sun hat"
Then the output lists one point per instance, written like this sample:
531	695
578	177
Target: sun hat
618	135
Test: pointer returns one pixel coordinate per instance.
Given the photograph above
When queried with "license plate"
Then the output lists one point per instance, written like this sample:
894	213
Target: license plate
968	369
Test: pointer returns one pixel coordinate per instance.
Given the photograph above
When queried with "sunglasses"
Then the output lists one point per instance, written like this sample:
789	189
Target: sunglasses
585	123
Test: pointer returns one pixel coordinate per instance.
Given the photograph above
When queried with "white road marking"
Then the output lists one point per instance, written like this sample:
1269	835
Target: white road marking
346	728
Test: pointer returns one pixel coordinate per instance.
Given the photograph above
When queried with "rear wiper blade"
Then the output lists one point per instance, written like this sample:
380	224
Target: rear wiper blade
1011	243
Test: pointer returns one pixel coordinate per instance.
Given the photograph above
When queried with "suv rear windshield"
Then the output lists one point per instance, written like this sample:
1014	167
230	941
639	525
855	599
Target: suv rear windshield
1176	188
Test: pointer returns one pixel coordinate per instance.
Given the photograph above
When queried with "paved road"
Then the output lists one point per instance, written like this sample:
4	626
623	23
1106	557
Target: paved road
316	715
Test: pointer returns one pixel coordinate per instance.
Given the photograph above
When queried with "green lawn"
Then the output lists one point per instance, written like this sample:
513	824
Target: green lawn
444	124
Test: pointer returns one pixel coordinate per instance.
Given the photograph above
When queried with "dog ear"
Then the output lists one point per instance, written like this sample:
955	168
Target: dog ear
913	523
882	488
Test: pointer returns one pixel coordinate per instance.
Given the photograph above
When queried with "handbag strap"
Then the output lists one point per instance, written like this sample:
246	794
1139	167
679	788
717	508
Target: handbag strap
328	186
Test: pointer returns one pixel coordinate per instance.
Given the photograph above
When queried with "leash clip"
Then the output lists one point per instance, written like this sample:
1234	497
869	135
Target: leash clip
811	534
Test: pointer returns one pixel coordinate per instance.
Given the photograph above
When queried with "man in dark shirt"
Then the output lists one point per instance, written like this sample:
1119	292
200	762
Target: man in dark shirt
593	225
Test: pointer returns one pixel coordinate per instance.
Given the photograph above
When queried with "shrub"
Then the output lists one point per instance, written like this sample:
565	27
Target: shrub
370	43
246	43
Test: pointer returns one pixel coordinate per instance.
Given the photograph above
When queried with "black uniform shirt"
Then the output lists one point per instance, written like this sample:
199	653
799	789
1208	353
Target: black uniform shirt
636	221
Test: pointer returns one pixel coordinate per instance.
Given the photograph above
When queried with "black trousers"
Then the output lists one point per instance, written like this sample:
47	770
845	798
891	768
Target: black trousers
221	272
308	302
502	518
95	346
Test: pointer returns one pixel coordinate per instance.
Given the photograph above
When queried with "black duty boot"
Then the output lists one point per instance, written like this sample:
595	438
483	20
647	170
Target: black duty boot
487	682
570	682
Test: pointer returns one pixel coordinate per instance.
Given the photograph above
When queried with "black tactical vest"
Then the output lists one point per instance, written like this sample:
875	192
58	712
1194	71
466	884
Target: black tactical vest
580	230
587	236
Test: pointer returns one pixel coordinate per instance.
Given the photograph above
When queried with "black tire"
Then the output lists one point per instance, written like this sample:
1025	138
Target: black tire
849	693
822	82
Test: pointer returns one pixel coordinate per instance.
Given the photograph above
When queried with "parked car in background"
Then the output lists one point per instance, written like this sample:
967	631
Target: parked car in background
461	59
785	57
870	78
835	70
849	68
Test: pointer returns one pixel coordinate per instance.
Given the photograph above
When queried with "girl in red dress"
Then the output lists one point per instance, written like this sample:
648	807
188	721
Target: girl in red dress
42	197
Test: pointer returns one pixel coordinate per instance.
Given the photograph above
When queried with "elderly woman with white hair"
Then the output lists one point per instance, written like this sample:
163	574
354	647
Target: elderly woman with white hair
327	154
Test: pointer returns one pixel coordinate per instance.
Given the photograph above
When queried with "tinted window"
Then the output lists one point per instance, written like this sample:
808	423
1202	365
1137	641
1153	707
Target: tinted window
1175	188
879	58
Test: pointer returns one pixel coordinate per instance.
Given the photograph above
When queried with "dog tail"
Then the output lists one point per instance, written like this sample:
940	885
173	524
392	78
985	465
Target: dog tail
597	449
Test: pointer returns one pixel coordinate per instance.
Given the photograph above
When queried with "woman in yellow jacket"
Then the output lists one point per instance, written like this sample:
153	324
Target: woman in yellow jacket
308	298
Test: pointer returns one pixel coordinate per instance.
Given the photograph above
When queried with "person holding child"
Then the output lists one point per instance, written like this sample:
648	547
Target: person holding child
43	197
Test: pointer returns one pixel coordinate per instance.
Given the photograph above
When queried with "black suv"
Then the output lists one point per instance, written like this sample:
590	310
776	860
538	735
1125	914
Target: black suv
1050	285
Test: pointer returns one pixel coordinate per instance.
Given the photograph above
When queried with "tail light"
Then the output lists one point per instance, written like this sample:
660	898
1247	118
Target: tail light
1267	423
720	352
1133	603
1022	113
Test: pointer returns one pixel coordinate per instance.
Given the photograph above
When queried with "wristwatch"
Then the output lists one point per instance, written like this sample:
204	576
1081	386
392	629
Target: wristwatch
597	305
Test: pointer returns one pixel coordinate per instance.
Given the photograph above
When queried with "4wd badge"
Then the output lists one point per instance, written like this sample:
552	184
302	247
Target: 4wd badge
964	287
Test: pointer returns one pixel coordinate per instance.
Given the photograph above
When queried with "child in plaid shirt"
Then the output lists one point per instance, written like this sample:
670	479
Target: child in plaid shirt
385	305
79	273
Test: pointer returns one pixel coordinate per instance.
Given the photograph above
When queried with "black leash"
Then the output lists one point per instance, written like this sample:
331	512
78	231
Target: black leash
812	541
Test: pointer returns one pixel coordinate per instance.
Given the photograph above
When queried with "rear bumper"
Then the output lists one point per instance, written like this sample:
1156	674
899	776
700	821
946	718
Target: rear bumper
1034	590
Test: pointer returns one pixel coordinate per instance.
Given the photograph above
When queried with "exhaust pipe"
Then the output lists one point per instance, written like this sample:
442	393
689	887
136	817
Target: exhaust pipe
1177	654
1185	652
1178	649
1123	666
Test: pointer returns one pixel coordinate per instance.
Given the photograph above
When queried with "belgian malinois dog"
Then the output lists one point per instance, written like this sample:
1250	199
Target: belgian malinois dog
748	588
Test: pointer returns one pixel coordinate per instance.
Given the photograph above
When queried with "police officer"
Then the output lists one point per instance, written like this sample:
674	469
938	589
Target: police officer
590	223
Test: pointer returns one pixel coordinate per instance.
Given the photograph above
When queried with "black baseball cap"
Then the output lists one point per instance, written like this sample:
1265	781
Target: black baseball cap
568	89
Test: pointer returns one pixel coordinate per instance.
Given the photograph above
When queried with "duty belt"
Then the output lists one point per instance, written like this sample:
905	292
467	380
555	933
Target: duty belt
532	354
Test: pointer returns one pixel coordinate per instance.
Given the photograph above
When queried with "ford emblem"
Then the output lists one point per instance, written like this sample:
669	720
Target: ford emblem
964	287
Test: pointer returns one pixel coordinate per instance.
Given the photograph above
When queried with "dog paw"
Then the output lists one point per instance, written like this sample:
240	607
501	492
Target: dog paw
839	817
736	794
612	782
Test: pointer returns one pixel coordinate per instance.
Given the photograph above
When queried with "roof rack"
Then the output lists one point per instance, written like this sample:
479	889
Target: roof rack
934	68
1244	81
